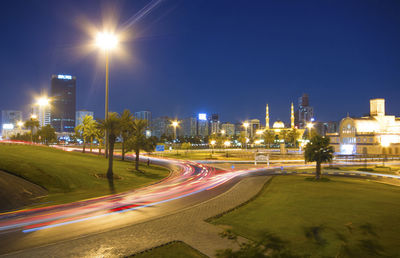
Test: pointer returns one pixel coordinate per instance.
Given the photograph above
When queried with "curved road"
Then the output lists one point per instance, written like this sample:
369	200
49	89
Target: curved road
188	184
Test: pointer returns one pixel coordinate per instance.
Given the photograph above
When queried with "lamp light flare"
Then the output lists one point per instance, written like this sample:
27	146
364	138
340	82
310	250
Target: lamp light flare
174	123
43	101
106	40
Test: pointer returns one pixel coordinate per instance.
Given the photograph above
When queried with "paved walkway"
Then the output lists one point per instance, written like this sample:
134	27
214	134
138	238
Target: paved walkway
187	225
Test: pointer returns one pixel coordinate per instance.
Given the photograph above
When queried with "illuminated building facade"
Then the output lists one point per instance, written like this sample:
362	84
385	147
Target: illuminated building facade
377	133
228	129
63	102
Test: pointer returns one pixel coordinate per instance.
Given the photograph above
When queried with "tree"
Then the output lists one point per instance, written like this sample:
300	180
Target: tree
186	146
86	130
32	124
138	140
318	150
112	125
283	135
99	135
269	137
126	129
47	134
293	136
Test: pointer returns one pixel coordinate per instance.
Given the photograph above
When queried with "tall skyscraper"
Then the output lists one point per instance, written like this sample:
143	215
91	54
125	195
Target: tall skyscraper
202	125
304	113
43	114
63	102
189	127
214	124
145	115
80	114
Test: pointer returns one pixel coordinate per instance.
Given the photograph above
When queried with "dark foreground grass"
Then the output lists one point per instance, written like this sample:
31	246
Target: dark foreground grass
338	218
173	250
72	176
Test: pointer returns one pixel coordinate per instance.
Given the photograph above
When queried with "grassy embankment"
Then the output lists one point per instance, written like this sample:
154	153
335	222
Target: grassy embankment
350	217
72	176
173	250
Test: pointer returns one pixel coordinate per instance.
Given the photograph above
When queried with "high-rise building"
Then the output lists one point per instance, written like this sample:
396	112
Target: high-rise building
228	129
214	124
189	127
9	123
202	125
304	113
10	117
162	126
63	102
145	115
80	114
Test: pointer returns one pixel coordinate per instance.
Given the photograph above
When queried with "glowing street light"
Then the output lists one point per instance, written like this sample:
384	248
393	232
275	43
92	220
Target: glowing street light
43	102
106	41
213	142
20	124
175	124
33	117
309	126
223	132
227	144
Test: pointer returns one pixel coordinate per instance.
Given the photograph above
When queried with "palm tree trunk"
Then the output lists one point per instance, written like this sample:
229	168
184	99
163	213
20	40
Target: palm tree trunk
318	170
137	153
84	146
99	148
91	141
110	174
110	159
123	149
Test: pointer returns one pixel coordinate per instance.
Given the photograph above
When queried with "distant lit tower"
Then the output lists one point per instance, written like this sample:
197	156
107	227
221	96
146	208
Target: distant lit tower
63	109
267	117
291	116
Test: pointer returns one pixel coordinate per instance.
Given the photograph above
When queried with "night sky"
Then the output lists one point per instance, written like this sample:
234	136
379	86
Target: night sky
225	57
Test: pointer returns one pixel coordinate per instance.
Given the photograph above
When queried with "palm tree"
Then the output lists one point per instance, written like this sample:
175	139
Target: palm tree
138	140
126	129
32	124
318	150
86	130
112	125
293	136
269	137
99	135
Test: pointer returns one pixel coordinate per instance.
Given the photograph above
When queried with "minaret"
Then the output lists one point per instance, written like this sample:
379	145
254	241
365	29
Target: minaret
292	116
266	117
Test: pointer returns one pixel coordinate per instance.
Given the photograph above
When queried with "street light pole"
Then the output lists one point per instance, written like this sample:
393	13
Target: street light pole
106	106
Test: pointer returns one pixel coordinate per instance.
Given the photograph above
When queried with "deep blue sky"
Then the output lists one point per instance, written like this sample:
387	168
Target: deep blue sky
228	57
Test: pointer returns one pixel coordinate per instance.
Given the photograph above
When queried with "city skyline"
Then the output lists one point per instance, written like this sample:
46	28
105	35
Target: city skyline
164	68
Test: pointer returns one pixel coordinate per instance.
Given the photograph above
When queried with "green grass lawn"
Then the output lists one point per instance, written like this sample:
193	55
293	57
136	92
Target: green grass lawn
72	176
173	250
324	218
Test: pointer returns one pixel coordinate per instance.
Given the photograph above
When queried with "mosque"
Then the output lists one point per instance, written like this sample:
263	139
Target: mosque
278	126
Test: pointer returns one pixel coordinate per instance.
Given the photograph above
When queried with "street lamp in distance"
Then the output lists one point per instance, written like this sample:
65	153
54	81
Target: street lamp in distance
106	41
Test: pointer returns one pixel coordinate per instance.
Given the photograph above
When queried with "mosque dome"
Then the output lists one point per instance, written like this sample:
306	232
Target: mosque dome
278	125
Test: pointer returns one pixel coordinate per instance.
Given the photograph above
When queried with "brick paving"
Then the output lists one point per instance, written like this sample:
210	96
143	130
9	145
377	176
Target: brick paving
187	225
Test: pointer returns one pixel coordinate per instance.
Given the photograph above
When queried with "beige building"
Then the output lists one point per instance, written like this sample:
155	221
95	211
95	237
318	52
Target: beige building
377	133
